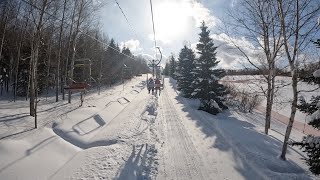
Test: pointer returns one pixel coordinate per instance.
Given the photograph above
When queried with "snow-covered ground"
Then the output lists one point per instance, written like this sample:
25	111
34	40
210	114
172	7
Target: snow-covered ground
126	133
283	95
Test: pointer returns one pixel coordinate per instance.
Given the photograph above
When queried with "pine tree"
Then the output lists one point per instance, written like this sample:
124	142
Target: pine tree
205	85
311	144
184	71
166	69
113	63
172	67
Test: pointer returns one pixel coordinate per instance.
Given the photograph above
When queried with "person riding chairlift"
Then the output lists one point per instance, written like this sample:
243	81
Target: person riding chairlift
157	81
150	85
157	85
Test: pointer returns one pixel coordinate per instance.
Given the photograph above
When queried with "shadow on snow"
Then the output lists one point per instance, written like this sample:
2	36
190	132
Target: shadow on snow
251	149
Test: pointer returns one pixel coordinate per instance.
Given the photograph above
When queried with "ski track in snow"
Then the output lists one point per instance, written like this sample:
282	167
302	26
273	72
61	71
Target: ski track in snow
181	158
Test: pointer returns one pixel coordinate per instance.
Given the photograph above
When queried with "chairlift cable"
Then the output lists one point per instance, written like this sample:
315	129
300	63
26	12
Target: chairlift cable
154	37
154	32
134	32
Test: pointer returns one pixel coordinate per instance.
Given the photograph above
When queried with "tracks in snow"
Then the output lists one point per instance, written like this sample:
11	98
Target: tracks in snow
182	160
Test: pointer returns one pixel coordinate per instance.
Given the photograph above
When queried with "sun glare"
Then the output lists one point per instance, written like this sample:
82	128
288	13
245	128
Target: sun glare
171	20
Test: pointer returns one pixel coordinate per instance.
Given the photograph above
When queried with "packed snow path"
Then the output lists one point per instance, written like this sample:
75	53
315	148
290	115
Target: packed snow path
192	152
181	159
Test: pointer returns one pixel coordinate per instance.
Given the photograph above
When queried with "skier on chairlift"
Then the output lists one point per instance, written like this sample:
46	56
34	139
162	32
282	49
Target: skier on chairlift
157	85
150	85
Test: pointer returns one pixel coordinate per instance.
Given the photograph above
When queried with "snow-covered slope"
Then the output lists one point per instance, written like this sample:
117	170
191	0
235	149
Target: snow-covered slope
126	133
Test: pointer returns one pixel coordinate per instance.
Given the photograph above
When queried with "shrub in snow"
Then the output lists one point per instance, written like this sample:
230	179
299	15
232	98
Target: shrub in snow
233	93
244	100
254	101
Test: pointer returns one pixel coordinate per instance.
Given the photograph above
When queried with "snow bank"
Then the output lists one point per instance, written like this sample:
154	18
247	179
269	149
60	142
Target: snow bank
35	157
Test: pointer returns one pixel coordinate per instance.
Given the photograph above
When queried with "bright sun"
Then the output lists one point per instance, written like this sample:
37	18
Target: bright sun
171	20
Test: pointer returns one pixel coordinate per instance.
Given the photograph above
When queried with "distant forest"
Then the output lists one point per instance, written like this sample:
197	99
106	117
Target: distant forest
303	71
45	44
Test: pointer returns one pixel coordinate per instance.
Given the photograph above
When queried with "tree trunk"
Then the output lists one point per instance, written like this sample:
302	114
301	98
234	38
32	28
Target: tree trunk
293	113
48	71
59	53
17	72
34	84
272	93
34	60
269	104
72	65
66	75
29	79
74	46
32	81
3	36
291	60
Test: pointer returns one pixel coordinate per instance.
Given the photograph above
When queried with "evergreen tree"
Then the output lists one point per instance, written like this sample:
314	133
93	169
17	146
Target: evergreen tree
311	144
166	69
173	67
205	85
126	51
184	71
113	63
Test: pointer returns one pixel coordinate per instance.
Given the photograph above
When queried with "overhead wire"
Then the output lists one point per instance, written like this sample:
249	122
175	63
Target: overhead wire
154	37
154	32
134	32
107	45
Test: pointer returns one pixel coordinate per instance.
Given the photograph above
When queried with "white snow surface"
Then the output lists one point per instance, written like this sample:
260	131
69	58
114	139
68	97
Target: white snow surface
283	94
126	133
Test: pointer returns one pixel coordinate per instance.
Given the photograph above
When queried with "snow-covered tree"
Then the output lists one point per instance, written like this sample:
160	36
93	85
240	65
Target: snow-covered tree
311	144
184	73
206	85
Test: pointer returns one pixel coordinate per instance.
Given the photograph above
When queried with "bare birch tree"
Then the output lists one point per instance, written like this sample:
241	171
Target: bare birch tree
298	20
84	10
59	51
257	21
39	22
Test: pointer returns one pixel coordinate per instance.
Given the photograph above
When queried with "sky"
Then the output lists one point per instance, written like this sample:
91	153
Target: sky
176	24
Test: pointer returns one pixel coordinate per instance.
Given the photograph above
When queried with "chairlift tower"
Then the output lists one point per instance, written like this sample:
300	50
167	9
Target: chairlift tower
82	70
154	63
81	78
